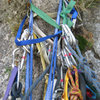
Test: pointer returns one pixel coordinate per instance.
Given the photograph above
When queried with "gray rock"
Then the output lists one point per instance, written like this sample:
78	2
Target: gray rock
6	47
91	20
94	61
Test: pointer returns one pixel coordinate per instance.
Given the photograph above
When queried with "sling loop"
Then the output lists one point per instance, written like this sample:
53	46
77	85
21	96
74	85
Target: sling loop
65	93
32	41
11	80
67	10
44	16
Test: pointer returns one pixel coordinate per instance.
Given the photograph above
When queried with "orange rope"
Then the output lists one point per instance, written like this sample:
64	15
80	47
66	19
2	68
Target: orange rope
75	93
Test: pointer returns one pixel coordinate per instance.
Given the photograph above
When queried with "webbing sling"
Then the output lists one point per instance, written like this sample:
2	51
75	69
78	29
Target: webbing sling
11	80
74	14
44	16
67	10
32	41
53	61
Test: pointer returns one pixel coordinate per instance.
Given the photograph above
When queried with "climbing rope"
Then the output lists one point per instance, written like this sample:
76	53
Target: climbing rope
49	91
29	91
75	93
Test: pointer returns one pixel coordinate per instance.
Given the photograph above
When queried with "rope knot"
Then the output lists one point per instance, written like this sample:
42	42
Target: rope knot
75	94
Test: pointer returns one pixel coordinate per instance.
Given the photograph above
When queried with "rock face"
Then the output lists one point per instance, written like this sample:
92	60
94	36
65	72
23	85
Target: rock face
91	20
6	47
94	61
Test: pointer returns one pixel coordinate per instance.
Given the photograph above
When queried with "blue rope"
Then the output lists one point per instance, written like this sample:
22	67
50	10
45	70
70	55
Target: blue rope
31	23
53	61
84	66
27	74
31	50
33	86
55	57
79	52
74	53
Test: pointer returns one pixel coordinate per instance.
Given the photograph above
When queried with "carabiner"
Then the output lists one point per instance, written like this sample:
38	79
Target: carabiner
71	55
13	54
68	34
66	59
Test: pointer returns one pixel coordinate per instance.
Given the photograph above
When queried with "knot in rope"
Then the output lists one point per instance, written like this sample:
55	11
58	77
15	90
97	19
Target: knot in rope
75	94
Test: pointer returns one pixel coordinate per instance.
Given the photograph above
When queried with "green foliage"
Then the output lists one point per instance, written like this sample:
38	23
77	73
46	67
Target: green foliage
83	43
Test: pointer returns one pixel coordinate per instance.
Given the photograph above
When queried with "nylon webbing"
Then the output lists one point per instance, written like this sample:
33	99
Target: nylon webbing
44	16
67	10
32	41
10	83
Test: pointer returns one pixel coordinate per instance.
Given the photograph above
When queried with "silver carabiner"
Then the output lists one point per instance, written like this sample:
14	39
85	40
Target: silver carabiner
13	54
66	59
25	36
71	34
55	93
71	55
68	34
20	66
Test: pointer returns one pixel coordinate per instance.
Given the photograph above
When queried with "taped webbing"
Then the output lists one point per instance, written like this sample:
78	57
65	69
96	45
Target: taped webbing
44	16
